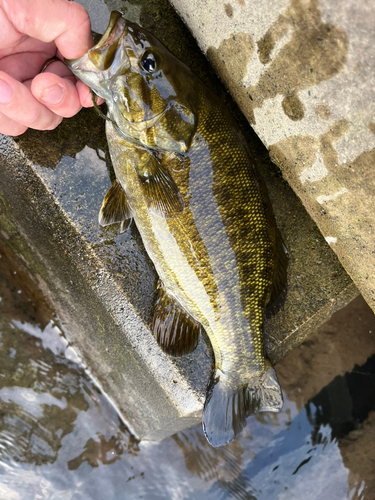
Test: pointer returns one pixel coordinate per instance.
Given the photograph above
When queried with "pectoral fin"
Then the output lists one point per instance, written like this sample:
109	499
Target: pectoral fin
160	189
115	207
176	331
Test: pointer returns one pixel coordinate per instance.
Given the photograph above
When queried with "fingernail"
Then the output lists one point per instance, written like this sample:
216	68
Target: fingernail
52	95
6	92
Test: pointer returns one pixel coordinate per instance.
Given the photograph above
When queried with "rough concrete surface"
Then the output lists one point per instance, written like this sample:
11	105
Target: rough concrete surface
303	73
102	283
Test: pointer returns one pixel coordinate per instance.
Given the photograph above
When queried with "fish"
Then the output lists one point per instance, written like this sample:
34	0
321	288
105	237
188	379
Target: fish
185	175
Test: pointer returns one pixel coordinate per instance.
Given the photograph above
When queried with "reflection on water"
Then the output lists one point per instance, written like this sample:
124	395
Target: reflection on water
61	439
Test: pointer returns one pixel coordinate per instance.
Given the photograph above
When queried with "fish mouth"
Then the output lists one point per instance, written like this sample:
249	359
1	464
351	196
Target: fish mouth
103	53
101	56
107	35
104	61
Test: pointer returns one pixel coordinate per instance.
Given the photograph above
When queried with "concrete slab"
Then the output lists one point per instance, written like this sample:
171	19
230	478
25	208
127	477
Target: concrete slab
303	73
102	283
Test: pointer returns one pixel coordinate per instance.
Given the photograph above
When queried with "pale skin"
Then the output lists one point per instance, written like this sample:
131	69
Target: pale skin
32	32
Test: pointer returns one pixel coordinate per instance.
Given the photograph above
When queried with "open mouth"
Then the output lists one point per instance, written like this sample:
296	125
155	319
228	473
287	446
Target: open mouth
109	35
103	53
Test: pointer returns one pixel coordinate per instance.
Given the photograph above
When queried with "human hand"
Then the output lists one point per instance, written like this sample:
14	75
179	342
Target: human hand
32	32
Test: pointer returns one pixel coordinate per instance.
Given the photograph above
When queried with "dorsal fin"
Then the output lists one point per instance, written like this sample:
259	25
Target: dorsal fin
161	191
175	330
115	207
279	284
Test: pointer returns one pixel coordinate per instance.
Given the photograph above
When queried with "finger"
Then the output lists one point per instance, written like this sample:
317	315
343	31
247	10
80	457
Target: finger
58	68
18	104
10	127
83	91
66	23
25	65
59	94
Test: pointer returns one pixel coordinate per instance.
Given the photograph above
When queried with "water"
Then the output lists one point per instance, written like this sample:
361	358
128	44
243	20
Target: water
61	439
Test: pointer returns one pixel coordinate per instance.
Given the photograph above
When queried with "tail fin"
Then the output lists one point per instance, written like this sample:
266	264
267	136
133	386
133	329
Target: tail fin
225	411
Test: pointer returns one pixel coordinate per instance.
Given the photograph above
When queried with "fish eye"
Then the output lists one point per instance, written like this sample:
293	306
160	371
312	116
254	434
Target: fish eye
148	62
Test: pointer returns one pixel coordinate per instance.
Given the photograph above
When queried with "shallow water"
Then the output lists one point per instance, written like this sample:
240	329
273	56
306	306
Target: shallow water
61	439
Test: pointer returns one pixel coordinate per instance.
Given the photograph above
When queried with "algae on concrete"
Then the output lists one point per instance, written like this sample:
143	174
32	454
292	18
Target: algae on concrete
102	283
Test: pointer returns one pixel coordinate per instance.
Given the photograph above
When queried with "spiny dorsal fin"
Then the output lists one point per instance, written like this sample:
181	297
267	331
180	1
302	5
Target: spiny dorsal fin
160	189
175	330
279	286
115	207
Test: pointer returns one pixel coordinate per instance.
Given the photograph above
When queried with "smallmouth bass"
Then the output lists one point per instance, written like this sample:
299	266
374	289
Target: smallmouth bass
185	175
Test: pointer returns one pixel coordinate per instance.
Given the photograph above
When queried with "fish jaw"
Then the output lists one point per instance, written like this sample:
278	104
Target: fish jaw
105	60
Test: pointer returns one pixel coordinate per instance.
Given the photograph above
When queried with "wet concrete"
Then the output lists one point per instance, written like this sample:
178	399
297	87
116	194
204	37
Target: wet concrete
102	284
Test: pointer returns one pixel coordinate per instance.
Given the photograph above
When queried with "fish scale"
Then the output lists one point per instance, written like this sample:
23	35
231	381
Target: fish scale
184	173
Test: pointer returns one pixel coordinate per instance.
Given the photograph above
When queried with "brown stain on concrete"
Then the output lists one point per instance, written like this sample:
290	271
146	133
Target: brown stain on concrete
316	52
293	107
363	184
230	62
268	42
240	45
228	9
322	111
327	150
241	2
233	69
295	153
371	127
298	153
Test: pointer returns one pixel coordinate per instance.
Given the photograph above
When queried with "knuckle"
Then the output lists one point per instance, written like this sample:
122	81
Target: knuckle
34	118
80	14
11	127
18	130
42	119
55	121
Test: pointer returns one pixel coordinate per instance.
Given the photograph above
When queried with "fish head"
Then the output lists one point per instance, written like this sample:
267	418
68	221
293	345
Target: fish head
151	95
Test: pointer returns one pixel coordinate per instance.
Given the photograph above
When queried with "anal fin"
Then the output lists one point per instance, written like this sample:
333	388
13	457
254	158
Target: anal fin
175	330
115	206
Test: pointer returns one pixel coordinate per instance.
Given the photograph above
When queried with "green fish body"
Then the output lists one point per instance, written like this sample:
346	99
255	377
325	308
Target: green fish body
184	174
